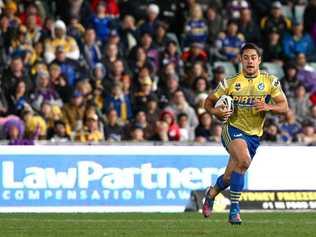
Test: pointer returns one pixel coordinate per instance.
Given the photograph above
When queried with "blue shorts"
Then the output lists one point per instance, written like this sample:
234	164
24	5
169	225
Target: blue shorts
230	133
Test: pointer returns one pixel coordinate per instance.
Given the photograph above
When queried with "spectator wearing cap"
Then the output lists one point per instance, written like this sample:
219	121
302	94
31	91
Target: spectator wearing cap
120	102
275	20
249	27
44	92
215	23
91	49
15	73
298	42
151	21
69	67
228	43
273	49
101	22
73	111
90	133
10	10
195	29
61	39
113	130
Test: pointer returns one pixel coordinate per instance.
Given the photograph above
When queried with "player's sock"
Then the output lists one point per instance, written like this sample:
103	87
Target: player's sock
236	187
220	184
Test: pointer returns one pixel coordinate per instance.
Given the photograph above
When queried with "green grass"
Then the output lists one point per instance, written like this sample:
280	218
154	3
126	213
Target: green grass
156	224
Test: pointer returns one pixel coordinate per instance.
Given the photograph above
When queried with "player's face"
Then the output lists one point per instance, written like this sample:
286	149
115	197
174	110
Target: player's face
250	61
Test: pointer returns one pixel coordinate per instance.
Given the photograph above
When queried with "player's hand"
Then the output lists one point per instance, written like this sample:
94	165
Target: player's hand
262	106
222	113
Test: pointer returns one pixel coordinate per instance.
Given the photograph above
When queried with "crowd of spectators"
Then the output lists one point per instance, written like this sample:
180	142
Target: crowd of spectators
111	71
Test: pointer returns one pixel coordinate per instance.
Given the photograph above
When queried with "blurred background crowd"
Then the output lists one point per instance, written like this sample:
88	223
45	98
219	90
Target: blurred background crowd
111	71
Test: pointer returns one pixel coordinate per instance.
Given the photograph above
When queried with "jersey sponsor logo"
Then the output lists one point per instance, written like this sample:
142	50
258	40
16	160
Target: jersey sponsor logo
247	100
261	86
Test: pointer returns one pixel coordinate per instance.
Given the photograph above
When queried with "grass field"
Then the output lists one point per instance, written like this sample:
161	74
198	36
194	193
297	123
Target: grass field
151	225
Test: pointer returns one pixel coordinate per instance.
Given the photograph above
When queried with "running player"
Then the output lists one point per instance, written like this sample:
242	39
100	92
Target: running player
254	93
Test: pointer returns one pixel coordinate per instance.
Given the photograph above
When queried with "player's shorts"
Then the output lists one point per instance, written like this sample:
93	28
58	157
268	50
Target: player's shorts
230	133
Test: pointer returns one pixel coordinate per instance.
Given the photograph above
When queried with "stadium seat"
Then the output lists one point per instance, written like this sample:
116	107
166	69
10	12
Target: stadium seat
274	68
299	13
230	69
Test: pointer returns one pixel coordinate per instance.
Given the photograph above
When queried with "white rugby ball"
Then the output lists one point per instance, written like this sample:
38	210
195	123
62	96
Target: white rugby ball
227	101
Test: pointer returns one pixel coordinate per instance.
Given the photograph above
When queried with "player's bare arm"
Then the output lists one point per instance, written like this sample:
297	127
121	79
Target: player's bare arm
220	112
279	106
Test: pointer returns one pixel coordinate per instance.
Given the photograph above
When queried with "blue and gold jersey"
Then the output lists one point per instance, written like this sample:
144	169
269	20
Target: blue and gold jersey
245	92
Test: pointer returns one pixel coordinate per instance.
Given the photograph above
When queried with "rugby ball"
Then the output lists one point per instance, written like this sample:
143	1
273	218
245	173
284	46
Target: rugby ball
227	101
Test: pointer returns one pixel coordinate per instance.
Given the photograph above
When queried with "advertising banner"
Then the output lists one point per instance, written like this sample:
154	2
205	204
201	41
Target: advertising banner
106	178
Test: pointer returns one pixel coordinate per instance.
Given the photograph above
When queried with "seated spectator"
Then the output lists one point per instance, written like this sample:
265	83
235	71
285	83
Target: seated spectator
300	103
186	132
120	102
31	10
215	23
60	83
195	27
173	129
249	27
101	22
152	110
297	42
290	81
271	133
152	21
228	43
161	132
275	20
35	126
90	131
219	75
171	55
142	123
10	10
197	70
69	67
73	111
141	95
308	134
160	36
272	47
216	133
44	92
137	134
203	131
195	53
91	49
13	128
113	131
128	33
19	100
59	134
290	127
180	105
60	39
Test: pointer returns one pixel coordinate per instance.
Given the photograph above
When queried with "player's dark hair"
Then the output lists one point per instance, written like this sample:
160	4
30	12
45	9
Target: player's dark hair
251	46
